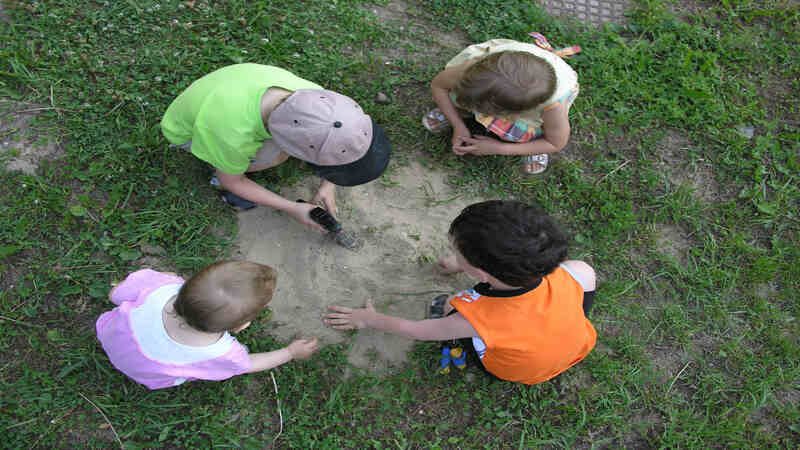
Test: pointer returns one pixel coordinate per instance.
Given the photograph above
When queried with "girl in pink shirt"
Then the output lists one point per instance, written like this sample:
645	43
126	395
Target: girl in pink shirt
166	331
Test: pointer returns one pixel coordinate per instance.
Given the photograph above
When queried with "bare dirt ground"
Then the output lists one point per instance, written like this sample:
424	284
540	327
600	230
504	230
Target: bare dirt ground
403	224
23	145
402	220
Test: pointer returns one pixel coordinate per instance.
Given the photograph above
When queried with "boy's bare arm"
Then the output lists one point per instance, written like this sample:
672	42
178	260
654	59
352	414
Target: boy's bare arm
454	326
246	188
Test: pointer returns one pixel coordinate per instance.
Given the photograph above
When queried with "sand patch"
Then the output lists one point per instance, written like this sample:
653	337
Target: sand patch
671	364
675	152
672	241
402	219
422	38
23	147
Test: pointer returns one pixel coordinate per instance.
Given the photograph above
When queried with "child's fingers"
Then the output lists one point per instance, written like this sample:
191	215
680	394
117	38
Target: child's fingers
341	309
310	345
459	151
459	148
337	320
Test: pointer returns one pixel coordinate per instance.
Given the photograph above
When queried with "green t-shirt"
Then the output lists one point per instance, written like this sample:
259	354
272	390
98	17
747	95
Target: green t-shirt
221	113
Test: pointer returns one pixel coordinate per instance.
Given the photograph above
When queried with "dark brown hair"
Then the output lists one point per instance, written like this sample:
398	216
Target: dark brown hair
506	82
225	295
512	241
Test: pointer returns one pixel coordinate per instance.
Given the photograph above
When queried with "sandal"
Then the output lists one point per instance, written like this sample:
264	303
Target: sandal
238	203
436	307
534	164
435	121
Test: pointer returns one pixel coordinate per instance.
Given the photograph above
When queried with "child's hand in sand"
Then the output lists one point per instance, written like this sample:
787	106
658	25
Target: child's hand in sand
343	318
449	264
303	348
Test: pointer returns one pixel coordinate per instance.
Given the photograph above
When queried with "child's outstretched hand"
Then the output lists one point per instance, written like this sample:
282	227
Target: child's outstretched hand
343	318
303	348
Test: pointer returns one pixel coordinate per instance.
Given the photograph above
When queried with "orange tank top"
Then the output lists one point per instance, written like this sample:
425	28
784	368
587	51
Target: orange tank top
529	335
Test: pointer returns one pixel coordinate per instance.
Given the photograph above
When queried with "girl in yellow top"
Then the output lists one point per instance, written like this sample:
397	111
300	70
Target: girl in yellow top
520	92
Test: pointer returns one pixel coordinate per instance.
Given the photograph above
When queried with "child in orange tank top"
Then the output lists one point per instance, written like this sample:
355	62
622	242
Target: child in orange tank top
527	316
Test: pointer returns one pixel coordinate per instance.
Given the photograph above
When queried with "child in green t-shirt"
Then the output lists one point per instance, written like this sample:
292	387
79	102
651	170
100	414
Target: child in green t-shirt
250	117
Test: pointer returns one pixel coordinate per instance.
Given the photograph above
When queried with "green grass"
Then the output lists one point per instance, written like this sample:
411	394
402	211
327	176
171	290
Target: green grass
692	227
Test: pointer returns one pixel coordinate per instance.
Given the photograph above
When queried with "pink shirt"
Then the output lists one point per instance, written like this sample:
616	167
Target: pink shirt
135	340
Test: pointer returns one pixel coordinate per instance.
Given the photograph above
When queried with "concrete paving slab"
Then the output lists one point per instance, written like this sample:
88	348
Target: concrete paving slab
593	12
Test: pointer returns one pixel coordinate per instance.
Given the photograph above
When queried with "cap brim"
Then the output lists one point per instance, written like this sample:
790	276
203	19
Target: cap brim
363	170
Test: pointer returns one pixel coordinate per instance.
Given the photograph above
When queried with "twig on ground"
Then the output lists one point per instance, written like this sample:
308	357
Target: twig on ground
20	424
104	417
612	172
677	376
510	422
20	322
654	330
22	111
52	102
116	107
280	414
127	197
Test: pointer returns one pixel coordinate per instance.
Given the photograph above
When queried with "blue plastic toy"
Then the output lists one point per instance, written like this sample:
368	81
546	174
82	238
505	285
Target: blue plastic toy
454	355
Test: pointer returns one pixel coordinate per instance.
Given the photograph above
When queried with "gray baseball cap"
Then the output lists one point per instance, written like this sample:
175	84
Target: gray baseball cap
332	134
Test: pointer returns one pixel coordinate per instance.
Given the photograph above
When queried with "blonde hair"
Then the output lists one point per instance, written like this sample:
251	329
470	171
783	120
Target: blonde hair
506	82
225	295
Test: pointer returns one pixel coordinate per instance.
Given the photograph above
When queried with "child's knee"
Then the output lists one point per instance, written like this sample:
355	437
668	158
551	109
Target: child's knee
583	273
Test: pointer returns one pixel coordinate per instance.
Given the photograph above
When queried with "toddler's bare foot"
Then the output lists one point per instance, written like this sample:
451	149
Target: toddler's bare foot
448	265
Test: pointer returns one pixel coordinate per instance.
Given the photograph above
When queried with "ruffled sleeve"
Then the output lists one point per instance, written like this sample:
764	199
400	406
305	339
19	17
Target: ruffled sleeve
129	289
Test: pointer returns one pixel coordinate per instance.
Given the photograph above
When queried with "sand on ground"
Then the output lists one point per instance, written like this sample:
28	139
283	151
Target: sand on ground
402	219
